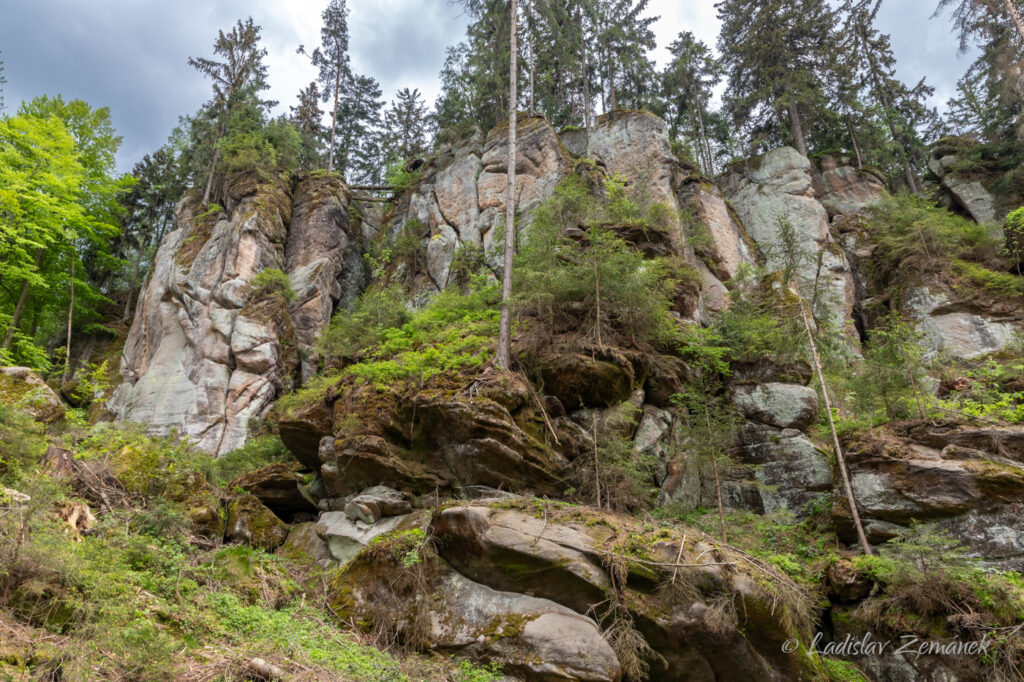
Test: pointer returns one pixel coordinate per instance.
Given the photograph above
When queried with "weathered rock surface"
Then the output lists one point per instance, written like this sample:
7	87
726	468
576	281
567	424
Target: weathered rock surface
970	195
844	190
375	503
279	487
252	523
786	406
957	326
303	544
563	558
204	356
975	494
776	190
345	538
24	388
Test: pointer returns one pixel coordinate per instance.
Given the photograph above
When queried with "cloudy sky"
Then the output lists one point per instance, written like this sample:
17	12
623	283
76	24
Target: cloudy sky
131	55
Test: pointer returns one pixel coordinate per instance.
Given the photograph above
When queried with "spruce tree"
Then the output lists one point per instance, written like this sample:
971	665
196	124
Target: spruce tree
358	153
406	125
331	58
777	54
306	116
686	86
3	82
241	72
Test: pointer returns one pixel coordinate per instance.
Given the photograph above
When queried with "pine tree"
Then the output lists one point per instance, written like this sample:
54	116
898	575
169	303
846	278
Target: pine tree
406	126
242	72
777	54
333	61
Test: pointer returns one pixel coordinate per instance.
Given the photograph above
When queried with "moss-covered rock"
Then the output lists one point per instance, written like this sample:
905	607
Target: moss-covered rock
252	523
21	387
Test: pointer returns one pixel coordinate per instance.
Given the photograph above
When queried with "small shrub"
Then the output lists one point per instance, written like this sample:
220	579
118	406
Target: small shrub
272	282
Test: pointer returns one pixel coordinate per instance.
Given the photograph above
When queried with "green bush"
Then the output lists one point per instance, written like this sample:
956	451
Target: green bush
1014	235
272	282
905	225
362	326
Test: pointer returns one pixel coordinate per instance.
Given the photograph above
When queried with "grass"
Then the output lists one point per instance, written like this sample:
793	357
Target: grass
137	597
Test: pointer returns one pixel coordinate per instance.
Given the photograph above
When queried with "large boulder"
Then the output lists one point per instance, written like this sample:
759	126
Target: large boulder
959	324
345	537
786	406
251	523
970	194
844	190
900	478
21	387
279	487
567	555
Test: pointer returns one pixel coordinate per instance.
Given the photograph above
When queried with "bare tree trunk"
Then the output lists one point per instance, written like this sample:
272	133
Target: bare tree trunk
131	285
505	328
840	458
718	480
1015	15
797	129
19	306
706	148
213	168
597	466
71	310
334	117
597	292
853	139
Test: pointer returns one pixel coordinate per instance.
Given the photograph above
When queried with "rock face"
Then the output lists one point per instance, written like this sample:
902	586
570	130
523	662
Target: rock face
566	560
22	387
777	190
970	482
206	354
844	190
970	195
953	324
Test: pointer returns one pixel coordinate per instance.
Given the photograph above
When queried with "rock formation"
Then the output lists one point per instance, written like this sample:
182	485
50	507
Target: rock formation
205	354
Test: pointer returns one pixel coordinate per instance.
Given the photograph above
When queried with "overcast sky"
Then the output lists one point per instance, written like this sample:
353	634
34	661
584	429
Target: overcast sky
130	55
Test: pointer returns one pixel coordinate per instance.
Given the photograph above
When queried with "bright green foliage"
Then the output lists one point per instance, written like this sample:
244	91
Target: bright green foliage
453	334
993	390
134	598
1002	284
272	282
760	322
399	178
58	199
362	326
257	452
1014	232
389	344
599	285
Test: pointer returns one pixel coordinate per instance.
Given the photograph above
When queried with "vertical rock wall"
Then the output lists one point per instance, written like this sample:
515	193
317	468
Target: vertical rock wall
205	355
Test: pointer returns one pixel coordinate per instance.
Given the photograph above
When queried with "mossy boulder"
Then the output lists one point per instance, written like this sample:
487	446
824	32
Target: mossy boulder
717	615
398	586
24	388
251	523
